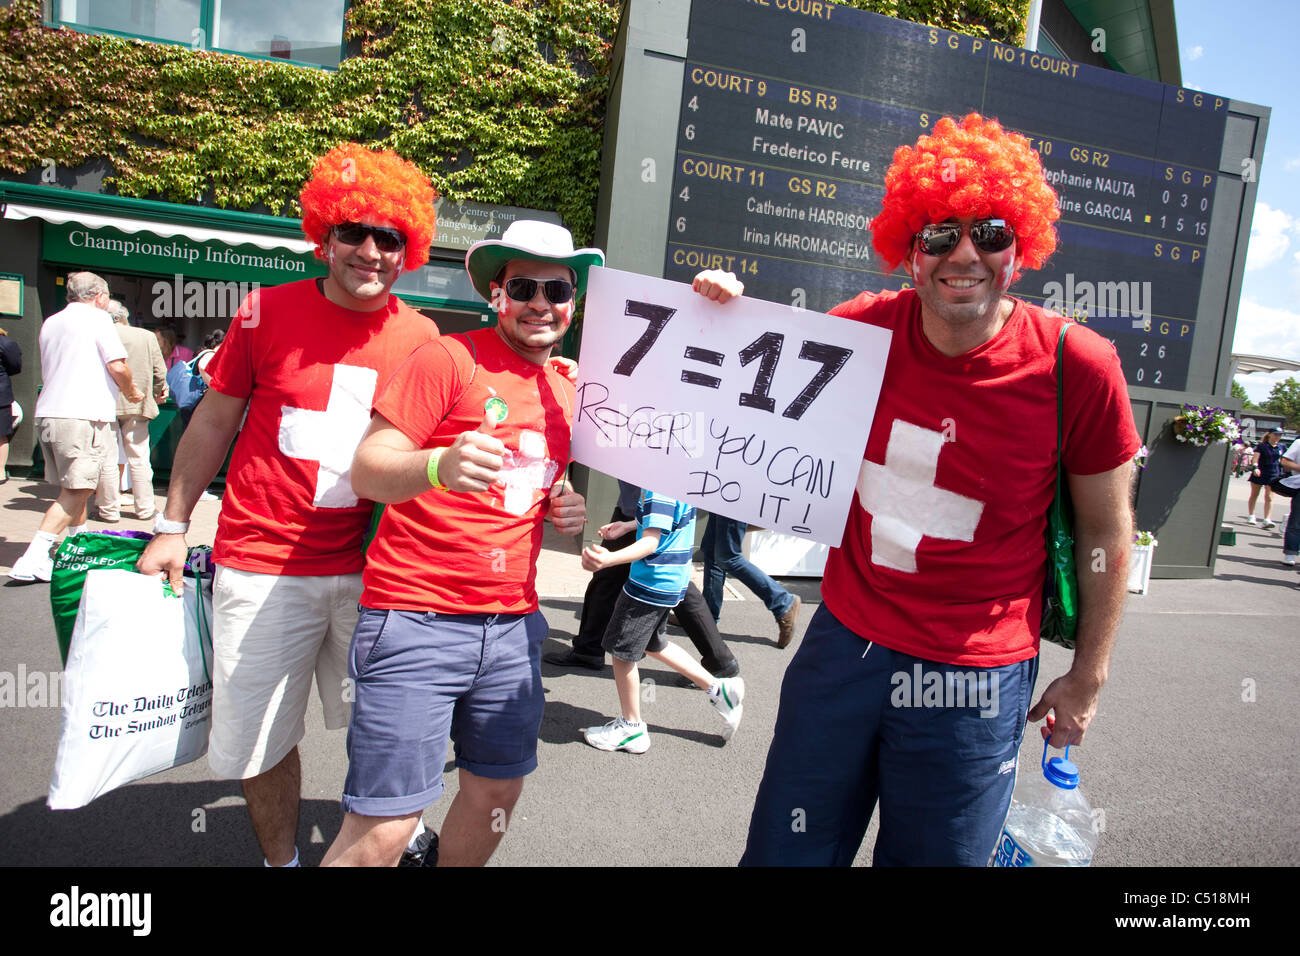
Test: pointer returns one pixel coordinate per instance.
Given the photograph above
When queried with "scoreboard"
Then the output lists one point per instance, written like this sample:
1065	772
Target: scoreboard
789	117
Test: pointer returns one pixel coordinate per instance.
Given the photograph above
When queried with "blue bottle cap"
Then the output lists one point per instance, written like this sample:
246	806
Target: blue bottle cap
1060	771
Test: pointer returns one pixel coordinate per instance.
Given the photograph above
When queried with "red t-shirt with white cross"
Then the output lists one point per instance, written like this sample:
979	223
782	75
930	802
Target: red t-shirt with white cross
310	370
944	554
471	553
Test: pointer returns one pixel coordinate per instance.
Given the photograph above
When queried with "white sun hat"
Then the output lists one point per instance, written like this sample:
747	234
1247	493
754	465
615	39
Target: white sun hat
532	240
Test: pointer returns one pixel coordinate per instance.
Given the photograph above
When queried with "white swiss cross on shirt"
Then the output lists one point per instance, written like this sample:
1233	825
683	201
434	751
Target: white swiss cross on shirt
904	503
331	437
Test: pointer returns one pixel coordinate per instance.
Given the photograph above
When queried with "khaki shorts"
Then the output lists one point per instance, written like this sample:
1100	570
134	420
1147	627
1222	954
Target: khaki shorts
270	634
74	451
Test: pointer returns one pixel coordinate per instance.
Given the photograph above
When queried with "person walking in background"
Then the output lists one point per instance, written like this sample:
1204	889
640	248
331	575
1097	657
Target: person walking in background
1265	468
693	614
211	342
722	544
167	342
83	366
173	352
188	381
660	569
145	359
1290	482
1242	454
11	363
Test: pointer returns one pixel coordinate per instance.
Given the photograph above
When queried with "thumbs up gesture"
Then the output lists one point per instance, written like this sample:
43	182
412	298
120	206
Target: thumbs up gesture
474	460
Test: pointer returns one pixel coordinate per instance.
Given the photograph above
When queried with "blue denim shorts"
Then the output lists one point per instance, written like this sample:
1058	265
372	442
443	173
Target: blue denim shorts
935	744
421	677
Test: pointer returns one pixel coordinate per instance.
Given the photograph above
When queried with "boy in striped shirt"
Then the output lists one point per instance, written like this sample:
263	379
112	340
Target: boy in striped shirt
660	573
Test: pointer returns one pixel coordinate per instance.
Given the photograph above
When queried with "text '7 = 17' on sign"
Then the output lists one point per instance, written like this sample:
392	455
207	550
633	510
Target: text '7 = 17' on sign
750	409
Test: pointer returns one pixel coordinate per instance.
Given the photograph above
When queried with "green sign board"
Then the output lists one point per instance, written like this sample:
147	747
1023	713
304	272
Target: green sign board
460	225
115	251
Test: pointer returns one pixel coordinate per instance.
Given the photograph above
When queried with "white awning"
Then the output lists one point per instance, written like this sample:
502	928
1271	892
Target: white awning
1245	364
198	233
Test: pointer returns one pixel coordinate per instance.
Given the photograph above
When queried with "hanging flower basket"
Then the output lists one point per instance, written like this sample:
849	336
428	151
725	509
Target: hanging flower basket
1205	425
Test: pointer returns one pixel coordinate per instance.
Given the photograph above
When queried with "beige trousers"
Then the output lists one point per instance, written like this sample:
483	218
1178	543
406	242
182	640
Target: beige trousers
134	431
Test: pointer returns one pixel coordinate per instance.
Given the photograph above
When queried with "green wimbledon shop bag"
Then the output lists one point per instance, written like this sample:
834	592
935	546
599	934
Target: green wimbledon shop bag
80	553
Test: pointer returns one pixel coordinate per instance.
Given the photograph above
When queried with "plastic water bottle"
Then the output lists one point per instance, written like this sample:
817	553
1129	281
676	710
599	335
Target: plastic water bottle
1050	822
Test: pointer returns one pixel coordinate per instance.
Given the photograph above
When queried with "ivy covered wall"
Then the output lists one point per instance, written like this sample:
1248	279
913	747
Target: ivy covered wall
499	101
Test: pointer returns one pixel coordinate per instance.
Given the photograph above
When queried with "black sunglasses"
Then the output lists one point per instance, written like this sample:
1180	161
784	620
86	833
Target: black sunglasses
354	234
522	289
989	235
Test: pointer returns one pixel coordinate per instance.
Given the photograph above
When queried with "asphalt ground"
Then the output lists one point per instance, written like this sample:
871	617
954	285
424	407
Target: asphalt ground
1192	756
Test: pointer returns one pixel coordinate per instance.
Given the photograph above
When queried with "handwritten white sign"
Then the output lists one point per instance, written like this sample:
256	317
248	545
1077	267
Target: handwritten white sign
750	409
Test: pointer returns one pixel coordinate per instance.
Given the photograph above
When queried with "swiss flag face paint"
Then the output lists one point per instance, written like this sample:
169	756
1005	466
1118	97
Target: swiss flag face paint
531	328
964	285
360	276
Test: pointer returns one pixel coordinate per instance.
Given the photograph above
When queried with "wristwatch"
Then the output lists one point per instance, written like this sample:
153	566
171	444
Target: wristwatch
162	526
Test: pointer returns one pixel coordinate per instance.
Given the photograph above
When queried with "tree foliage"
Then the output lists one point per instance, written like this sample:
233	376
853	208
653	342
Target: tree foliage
1284	400
498	101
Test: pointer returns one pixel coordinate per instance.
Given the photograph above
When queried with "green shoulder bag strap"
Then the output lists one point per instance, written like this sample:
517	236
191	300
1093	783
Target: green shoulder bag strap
1061	596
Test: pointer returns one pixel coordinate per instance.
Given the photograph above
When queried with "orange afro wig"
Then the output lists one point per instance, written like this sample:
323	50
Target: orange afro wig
973	170
351	182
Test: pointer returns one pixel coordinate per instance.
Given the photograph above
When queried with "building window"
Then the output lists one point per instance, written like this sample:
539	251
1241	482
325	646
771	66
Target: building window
303	31
175	20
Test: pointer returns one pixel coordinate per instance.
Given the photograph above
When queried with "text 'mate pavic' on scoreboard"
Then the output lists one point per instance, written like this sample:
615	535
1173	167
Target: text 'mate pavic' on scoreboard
750	409
790	115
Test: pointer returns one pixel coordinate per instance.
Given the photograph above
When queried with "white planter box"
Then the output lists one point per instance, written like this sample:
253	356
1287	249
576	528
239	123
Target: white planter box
1139	569
785	555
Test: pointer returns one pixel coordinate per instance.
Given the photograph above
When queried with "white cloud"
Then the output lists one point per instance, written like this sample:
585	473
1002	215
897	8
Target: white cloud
1274	333
1195	53
1266	330
1270	236
1292	165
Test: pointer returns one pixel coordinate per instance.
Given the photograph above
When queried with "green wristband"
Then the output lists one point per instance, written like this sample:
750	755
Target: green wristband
432	469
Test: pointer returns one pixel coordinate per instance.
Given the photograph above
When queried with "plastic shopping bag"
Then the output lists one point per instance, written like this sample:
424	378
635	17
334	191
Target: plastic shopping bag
77	554
137	688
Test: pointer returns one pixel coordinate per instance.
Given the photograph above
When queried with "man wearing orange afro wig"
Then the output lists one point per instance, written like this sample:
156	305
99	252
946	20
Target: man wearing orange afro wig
304	361
911	685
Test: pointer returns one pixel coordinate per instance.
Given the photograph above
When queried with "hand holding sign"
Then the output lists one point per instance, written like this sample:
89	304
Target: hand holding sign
718	286
565	366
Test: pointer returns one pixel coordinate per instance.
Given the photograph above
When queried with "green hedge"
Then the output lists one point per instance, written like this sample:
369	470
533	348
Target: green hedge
498	101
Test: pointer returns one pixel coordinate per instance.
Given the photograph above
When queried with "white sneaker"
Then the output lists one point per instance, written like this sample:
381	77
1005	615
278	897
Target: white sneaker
209	496
31	568
1287	559
1269	525
619	734
731	691
1250	519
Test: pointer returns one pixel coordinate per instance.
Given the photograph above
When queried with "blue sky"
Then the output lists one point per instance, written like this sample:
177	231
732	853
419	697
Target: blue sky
1246	51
